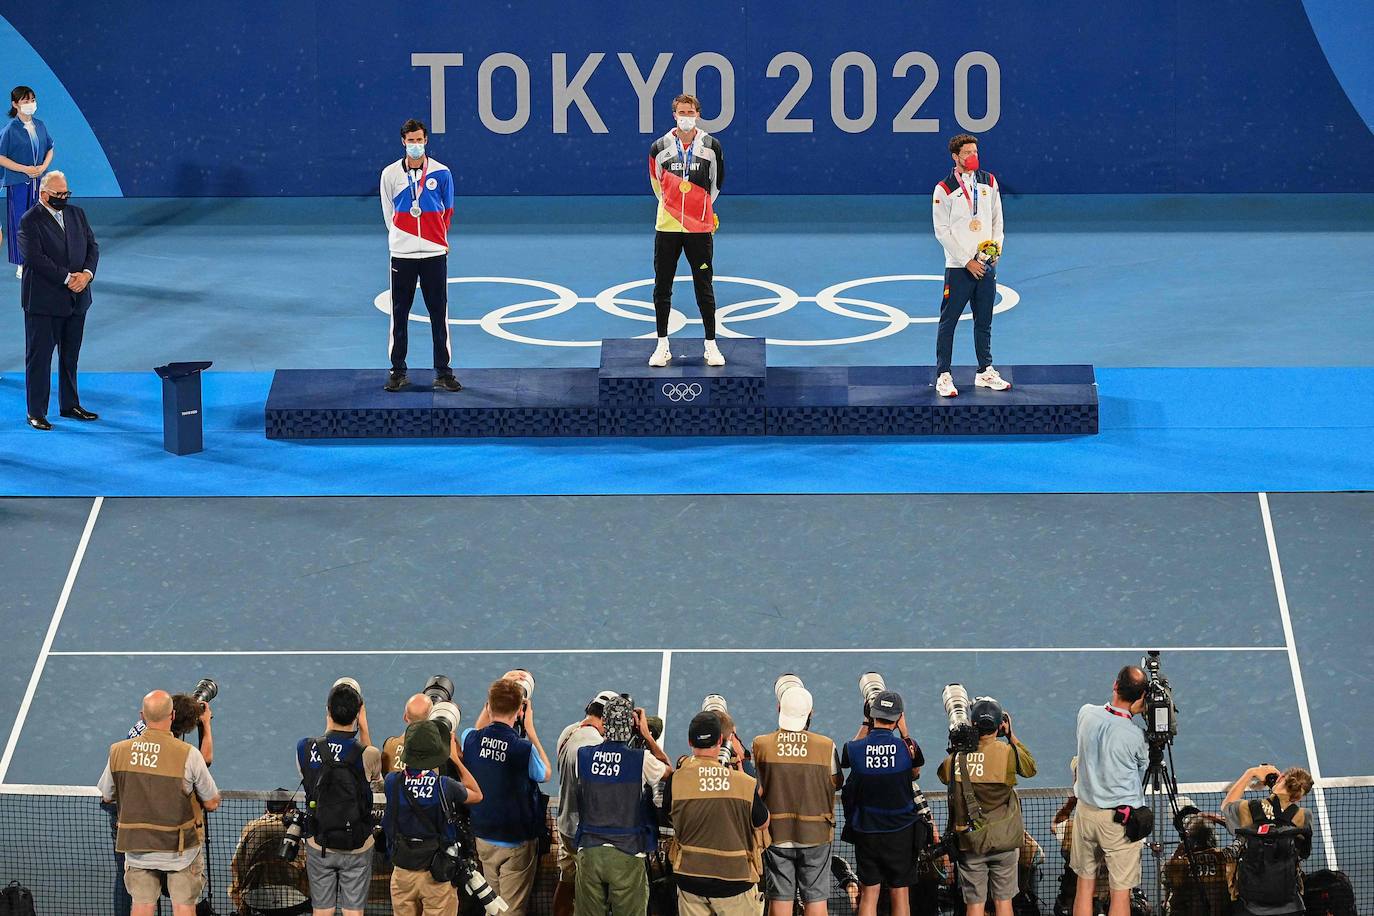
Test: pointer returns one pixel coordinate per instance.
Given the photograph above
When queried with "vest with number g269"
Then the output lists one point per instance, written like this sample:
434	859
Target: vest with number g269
611	800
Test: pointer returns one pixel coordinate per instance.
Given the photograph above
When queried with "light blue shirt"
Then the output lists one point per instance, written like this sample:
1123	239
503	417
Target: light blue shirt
1112	758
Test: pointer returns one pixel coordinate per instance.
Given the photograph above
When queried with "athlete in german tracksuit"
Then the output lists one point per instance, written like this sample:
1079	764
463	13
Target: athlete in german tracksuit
686	170
967	212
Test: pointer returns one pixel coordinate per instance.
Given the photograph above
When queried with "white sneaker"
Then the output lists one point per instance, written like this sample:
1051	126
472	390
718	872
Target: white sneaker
713	355
19	272
989	378
661	354
944	386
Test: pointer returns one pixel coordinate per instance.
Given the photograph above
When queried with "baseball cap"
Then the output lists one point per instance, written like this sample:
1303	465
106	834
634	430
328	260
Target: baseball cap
704	730
601	699
794	708
424	748
886	706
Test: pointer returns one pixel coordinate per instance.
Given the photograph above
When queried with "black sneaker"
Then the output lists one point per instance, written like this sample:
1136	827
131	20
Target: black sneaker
447	383
396	381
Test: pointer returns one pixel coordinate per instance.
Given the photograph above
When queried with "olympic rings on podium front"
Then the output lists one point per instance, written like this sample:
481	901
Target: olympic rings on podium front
681	391
781	299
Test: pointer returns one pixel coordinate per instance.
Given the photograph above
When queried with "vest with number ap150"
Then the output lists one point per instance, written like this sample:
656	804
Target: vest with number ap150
499	759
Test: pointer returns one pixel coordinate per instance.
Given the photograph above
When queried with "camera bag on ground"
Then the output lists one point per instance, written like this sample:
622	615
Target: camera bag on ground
340	799
1267	872
414	853
15	900
1328	893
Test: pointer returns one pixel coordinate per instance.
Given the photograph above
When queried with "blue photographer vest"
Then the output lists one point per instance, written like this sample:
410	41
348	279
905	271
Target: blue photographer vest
499	759
612	803
877	796
432	793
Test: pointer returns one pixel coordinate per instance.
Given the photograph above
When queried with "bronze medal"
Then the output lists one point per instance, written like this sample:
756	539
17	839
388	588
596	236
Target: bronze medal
975	224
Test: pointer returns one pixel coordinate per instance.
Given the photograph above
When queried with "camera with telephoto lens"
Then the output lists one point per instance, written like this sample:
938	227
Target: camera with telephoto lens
963	736
456	864
294	822
714	702
525	680
1161	715
444	711
205	691
871	684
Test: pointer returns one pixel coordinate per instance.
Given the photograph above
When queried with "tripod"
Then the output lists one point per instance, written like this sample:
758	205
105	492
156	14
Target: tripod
1161	790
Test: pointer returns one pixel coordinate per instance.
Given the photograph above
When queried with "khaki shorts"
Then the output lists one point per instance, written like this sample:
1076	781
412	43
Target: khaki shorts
749	903
183	886
1096	839
567	859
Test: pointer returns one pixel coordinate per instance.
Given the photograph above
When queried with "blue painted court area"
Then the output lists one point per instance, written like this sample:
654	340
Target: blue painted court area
673	597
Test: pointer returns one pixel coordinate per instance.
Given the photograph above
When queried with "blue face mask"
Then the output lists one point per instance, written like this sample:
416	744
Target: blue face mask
415	150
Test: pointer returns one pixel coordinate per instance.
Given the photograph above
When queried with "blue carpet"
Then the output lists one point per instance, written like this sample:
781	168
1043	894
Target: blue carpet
1163	430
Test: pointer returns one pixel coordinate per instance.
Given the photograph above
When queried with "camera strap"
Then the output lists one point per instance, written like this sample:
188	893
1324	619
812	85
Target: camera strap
974	810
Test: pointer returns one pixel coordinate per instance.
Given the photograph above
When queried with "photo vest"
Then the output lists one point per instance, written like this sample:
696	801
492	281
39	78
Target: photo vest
984	774
155	812
614	807
499	759
795	777
713	822
877	796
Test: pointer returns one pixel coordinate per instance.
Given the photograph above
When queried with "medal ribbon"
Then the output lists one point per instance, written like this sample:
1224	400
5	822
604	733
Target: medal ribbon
970	197
416	186
685	157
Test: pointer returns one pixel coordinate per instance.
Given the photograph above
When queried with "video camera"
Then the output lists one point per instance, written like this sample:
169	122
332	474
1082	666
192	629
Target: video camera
445	712
1161	715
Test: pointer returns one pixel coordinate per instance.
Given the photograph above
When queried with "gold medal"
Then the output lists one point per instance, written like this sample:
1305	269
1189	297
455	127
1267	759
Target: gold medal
975	224
684	186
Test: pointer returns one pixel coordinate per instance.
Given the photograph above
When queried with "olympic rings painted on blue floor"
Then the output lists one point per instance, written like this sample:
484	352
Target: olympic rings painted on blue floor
781	299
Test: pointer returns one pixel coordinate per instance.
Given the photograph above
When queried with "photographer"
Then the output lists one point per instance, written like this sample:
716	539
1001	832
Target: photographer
717	818
879	801
261	882
339	771
422	808
162	786
617	826
799	774
417	709
1197	877
508	822
572	739
1274	836
984	810
1112	760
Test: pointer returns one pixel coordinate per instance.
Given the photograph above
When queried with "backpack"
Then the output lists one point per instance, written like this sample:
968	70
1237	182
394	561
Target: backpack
1328	893
340	799
1267	871
15	900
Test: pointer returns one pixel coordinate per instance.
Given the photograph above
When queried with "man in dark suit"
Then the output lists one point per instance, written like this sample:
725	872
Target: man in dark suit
61	254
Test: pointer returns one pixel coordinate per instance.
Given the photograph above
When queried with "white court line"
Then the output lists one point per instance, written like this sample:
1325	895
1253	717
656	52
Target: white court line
704	650
1328	843
665	675
46	650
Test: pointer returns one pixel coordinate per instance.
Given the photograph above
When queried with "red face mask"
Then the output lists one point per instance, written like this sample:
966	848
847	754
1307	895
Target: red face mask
971	162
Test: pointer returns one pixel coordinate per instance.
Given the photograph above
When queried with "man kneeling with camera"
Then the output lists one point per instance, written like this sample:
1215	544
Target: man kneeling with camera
422	825
984	811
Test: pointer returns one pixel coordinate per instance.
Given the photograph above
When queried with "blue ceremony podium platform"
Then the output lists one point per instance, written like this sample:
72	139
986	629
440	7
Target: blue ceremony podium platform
625	397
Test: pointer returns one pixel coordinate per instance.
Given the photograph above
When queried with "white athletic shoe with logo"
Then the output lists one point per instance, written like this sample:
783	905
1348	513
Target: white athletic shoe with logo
661	354
713	355
944	386
989	378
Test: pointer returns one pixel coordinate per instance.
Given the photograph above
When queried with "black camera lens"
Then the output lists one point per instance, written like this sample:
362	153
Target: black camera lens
206	690
439	689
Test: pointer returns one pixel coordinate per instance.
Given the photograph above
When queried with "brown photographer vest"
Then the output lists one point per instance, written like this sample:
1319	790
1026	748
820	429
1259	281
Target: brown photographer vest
155	813
712	822
391	754
990	771
797	785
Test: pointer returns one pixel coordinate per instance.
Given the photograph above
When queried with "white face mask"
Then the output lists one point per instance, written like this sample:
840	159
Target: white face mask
28	108
415	150
686	122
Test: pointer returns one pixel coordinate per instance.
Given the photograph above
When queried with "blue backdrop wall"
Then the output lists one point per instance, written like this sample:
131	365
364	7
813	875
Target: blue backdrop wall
550	97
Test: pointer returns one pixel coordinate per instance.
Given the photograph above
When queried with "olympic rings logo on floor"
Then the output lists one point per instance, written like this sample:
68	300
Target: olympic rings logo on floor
682	391
780	299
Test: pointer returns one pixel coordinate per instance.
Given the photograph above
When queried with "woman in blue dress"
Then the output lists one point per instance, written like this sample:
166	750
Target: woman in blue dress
25	154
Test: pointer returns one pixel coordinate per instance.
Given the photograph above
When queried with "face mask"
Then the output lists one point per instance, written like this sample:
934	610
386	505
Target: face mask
686	122
28	108
415	150
58	203
971	162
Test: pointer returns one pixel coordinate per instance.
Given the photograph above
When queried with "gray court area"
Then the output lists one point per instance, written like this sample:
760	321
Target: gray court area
1035	599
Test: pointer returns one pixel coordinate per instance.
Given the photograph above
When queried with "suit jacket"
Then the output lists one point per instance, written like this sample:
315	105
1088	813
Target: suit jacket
49	255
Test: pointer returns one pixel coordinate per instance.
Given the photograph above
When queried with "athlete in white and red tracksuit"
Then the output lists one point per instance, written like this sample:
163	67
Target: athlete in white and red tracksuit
686	170
417	206
967	212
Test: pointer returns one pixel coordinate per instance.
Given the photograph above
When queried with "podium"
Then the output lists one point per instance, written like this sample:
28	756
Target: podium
182	427
625	396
